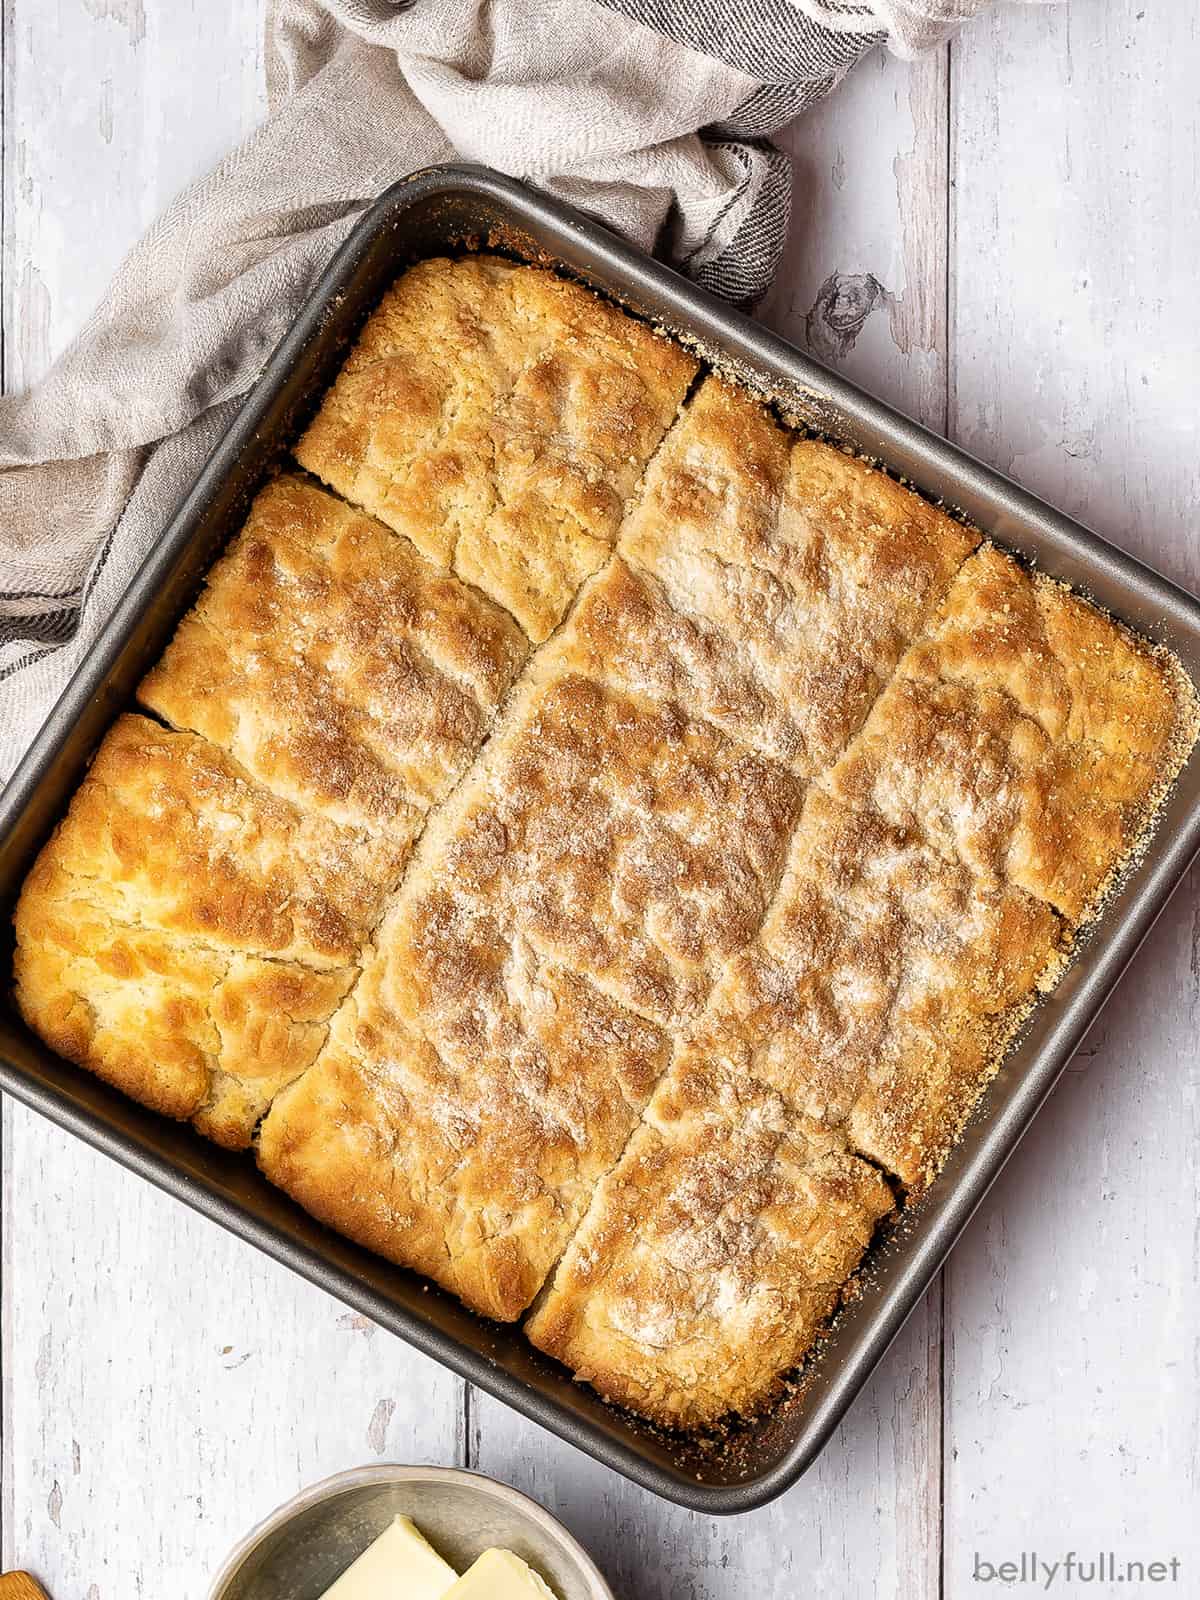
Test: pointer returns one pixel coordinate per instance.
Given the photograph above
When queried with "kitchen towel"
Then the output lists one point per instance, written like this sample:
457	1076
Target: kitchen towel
652	114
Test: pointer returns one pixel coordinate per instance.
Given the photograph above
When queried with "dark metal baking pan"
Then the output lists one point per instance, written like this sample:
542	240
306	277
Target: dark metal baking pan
441	210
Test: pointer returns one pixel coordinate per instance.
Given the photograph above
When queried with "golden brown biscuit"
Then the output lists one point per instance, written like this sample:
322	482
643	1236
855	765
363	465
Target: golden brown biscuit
1074	671
778	581
1025	736
501	418
469	1100
880	986
629	842
803	789
713	1254
166	832
192	1032
335	665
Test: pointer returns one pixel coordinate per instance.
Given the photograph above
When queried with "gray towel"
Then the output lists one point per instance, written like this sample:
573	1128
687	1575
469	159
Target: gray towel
653	114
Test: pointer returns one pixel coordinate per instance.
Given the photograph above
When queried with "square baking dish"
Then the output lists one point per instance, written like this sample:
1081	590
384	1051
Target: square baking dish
443	210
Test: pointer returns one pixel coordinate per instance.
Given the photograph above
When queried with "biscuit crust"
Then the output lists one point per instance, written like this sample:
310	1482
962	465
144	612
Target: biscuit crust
501	418
880	987
1023	735
197	1034
470	1098
713	1254
636	845
779	580
577	892
167	832
341	670
187	935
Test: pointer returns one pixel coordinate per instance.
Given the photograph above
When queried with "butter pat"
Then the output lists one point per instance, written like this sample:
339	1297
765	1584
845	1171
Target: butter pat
400	1565
499	1575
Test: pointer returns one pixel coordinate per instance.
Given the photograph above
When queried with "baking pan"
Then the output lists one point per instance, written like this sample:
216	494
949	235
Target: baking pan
445	209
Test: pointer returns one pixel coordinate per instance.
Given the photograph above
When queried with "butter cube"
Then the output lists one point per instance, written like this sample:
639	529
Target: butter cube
400	1565
499	1575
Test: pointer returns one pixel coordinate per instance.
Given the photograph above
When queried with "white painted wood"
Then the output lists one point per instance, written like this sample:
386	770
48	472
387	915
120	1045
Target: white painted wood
164	1386
111	107
863	280
870	205
1073	1400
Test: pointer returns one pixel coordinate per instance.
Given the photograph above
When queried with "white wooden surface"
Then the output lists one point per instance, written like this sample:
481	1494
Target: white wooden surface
1002	240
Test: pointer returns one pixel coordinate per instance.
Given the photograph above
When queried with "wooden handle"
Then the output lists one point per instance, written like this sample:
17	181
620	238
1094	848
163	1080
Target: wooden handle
20	1586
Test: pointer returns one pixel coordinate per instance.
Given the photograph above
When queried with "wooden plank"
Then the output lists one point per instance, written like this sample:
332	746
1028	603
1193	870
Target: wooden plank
862	284
112	106
870	204
164	1386
1072	1382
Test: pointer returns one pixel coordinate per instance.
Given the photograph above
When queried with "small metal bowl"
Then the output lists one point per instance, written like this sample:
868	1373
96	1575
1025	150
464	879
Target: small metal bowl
301	1548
